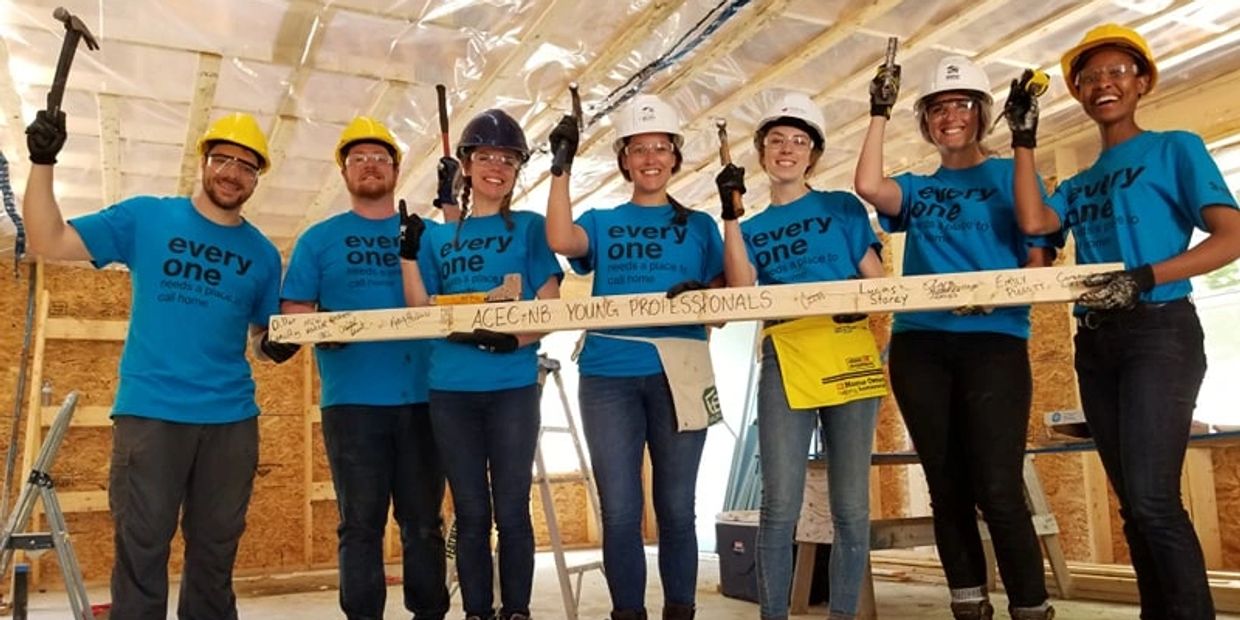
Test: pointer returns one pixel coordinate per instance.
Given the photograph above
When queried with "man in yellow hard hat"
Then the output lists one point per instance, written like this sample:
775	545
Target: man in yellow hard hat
185	434
376	426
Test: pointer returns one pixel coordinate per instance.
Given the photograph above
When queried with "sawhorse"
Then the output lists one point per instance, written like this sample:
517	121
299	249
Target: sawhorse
814	527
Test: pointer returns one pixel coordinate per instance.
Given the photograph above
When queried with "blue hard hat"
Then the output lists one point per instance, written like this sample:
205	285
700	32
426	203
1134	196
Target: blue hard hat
493	128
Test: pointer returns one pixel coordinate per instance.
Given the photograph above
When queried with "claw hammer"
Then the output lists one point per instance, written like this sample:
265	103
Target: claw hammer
75	31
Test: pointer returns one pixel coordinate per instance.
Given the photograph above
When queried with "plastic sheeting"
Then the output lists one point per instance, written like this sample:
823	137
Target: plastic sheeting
305	68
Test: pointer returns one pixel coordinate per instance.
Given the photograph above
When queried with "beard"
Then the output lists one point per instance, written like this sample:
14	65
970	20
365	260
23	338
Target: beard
228	204
370	189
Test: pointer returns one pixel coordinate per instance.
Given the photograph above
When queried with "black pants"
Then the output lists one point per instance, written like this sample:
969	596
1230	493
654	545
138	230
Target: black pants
1139	372
160	469
381	457
965	399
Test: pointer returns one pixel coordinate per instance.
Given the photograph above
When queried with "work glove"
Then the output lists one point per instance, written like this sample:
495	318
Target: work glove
564	138
686	286
1021	112
884	89
411	227
730	179
278	352
447	172
486	340
1117	290
972	310
45	137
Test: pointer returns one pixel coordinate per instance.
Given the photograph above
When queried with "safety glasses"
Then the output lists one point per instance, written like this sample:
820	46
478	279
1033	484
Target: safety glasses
1112	73
649	148
220	162
777	142
940	109
361	159
503	159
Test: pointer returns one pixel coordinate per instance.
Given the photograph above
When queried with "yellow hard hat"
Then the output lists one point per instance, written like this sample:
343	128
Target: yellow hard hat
1108	34
241	129
366	129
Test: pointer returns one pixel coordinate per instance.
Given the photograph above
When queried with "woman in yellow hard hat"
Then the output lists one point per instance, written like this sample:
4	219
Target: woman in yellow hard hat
967	418
1139	351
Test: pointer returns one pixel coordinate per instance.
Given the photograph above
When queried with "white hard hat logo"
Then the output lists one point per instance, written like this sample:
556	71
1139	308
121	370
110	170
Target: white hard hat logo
647	113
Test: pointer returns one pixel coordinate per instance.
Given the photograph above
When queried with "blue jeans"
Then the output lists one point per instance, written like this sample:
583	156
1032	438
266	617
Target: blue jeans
621	416
783	447
965	399
1139	373
380	455
487	442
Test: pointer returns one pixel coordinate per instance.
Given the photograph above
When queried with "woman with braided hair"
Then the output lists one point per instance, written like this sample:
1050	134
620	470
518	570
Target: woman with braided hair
484	397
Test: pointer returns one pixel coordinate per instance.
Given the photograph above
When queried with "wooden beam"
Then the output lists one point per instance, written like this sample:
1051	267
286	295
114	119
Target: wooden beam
110	147
34	398
307	456
1202	505
83	501
205	81
915	293
83	329
83	416
1097	508
11	107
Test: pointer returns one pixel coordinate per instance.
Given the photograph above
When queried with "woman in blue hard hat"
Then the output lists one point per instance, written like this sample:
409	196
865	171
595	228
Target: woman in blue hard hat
807	235
484	396
1139	351
633	392
962	378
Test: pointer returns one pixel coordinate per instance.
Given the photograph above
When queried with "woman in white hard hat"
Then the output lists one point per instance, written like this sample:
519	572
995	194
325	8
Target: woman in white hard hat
1139	351
484	394
962	378
632	398
807	235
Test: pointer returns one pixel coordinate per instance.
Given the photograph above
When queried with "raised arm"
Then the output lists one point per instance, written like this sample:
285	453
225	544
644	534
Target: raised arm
1032	215
48	234
411	229
563	236
868	180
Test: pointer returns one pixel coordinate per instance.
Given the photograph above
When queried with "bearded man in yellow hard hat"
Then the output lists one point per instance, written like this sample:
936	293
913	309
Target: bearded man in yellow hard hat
185	433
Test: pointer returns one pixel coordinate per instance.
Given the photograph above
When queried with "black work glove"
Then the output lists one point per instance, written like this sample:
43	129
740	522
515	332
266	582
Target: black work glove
730	179
447	172
45	137
1021	112
972	310
1117	290
685	287
486	340
411	227
279	352
564	139
884	89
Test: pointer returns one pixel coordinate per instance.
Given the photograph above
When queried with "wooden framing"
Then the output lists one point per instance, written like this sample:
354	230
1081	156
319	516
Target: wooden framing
14	145
110	147
205	81
935	292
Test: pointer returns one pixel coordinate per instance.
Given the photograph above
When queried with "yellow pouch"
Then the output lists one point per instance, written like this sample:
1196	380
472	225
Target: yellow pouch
826	363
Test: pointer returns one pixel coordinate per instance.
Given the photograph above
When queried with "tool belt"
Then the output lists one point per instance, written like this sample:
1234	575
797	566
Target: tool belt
690	378
825	363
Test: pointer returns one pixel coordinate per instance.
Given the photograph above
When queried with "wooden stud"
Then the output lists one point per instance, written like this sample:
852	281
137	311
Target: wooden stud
310	412
1097	508
83	501
34	400
83	416
1202	504
205	81
63	328
110	147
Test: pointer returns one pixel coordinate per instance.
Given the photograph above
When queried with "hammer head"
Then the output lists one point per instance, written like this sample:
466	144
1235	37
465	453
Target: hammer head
74	24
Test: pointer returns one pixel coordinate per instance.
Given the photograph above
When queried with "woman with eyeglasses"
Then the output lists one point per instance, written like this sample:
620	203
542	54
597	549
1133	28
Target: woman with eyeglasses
1139	350
632	398
806	235
484	396
962	378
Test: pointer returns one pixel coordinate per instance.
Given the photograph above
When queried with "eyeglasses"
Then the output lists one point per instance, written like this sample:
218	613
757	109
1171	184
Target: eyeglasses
1113	73
941	109
503	159
649	148
220	162
777	142
361	159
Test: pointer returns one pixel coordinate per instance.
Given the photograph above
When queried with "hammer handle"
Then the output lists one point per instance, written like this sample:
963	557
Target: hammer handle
441	95
725	157
559	157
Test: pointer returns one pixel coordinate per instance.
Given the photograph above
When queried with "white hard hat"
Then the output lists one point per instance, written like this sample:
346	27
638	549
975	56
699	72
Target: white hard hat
956	73
799	106
646	114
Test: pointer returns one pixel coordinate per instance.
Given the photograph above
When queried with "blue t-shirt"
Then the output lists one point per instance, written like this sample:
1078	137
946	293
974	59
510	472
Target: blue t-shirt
474	256
961	221
636	249
819	237
197	287
1139	202
348	262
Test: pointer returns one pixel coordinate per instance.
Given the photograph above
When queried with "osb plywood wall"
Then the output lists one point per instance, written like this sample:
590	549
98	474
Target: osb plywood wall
275	538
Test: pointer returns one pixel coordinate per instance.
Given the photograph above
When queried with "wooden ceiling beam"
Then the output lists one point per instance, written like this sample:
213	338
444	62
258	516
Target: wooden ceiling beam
110	148
205	81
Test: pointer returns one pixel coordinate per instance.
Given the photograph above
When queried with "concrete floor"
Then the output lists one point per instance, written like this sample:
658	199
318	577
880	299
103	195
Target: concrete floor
313	596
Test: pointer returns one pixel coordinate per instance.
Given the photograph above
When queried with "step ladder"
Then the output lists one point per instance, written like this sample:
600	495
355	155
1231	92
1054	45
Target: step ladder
570	592
40	486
